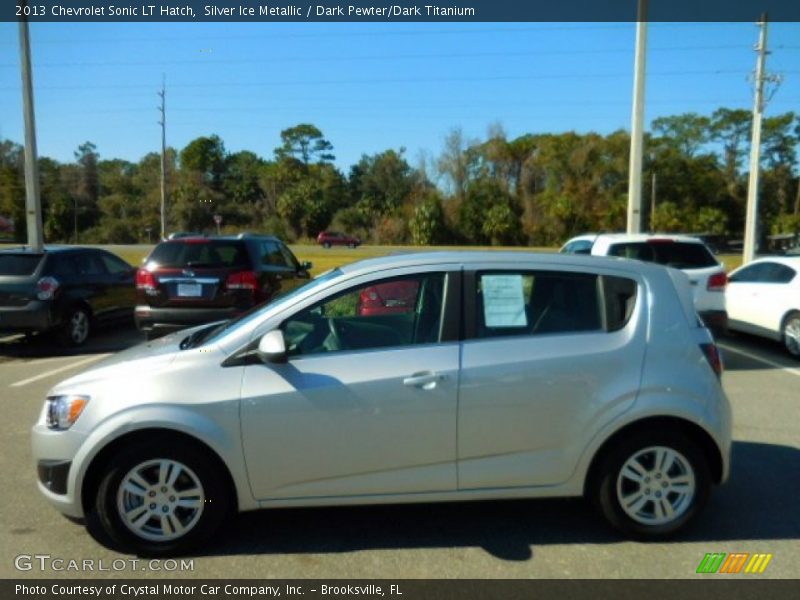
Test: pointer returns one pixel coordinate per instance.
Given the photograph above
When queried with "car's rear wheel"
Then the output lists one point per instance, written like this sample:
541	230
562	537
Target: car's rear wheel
651	485
162	498
76	327
351	245
326	244
791	334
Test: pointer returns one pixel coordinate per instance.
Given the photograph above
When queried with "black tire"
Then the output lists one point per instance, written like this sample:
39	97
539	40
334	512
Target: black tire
215	504
791	346
326	245
351	245
604	489
76	327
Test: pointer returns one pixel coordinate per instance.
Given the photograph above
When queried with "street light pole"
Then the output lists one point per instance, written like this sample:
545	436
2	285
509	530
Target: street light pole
33	204
637	124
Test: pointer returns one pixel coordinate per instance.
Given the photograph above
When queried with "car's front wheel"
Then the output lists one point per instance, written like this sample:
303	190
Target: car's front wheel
161	498
791	334
651	485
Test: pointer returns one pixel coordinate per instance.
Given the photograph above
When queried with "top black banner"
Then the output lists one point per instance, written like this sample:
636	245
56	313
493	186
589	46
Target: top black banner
396	10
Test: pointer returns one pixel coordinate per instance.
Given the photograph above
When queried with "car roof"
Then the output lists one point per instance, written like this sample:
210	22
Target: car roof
522	259
789	261
47	249
637	237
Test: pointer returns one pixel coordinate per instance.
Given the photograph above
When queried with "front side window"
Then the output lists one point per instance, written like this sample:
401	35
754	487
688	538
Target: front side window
549	302
395	312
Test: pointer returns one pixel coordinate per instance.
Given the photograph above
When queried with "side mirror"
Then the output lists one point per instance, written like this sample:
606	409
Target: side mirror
272	347
306	265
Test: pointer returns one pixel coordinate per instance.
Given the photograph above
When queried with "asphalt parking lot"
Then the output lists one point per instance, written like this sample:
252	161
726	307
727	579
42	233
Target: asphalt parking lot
755	512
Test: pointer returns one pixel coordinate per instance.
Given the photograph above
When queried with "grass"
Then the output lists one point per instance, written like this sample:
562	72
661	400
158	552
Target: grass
323	259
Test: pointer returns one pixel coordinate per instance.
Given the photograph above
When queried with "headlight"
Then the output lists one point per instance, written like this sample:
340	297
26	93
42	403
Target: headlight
63	411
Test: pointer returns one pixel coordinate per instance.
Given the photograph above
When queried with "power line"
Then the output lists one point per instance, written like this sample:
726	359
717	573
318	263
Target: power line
375	57
432	79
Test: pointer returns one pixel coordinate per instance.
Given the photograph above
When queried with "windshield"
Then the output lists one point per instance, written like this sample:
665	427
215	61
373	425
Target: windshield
199	253
215	331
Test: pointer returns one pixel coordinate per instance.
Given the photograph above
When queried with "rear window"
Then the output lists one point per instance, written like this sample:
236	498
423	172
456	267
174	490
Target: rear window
19	264
680	255
203	253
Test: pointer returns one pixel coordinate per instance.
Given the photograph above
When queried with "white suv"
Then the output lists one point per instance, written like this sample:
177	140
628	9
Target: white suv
689	254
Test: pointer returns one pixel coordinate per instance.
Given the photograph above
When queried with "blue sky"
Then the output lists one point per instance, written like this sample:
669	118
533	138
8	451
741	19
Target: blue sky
371	86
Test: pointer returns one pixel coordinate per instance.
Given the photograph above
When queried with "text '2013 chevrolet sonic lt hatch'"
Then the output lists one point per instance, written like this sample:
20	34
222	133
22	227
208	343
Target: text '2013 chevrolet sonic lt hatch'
508	375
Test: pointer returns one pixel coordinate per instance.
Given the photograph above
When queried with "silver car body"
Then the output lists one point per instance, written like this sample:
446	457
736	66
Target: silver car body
500	418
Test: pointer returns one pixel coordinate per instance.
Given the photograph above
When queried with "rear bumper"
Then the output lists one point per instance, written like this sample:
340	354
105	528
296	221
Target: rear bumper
34	316
171	319
715	320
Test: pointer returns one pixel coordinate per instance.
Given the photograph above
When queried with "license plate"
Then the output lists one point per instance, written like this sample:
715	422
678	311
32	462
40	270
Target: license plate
190	290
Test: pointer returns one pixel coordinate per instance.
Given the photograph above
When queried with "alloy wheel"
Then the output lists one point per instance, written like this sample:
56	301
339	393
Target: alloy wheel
791	335
160	500
656	485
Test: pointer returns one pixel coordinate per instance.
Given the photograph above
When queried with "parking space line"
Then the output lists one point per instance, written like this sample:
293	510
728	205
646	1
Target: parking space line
18	360
755	357
58	370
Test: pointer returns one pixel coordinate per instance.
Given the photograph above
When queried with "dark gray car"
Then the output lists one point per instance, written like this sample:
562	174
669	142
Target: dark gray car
65	289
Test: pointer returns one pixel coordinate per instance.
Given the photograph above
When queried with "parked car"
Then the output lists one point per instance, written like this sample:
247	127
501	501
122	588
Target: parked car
191	280
388	298
686	253
66	289
326	239
516	375
763	298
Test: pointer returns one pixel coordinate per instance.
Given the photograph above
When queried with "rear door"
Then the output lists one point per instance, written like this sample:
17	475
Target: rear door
121	287
549	357
278	267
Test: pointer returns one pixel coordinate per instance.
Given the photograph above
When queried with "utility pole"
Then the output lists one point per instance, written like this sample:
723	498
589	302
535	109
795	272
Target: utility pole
652	200
163	123
751	220
637	124
33	204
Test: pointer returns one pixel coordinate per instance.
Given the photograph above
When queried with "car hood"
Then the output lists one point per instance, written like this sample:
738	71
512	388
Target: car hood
140	360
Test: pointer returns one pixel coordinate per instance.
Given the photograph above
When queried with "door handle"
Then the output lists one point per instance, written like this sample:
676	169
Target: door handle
425	380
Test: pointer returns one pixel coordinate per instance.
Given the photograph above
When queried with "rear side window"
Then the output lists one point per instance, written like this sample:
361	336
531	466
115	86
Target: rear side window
204	253
680	255
536	303
618	295
19	265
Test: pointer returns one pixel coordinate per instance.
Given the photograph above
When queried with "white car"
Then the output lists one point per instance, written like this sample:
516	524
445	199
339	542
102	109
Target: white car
763	298
689	254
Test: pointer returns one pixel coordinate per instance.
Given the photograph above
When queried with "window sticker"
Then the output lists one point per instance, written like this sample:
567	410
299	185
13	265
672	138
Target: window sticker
503	301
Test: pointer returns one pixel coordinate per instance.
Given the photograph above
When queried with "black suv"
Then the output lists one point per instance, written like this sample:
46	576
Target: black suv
193	280
66	289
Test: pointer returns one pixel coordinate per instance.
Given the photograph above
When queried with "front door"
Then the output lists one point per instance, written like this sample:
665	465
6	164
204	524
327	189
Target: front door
366	403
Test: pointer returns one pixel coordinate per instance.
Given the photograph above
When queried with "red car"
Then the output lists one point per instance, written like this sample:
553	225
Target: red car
388	298
326	239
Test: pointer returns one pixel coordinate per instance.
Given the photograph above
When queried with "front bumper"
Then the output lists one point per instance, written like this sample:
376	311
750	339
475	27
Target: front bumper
54	454
171	319
36	315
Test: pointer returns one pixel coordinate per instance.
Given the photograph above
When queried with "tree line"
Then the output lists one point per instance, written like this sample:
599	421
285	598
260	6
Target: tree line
535	189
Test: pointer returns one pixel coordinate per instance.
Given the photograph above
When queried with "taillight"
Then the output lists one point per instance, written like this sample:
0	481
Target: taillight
46	288
369	297
243	280
717	282
145	280
712	356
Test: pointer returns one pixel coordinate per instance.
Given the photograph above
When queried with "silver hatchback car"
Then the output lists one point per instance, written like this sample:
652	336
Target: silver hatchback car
411	378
